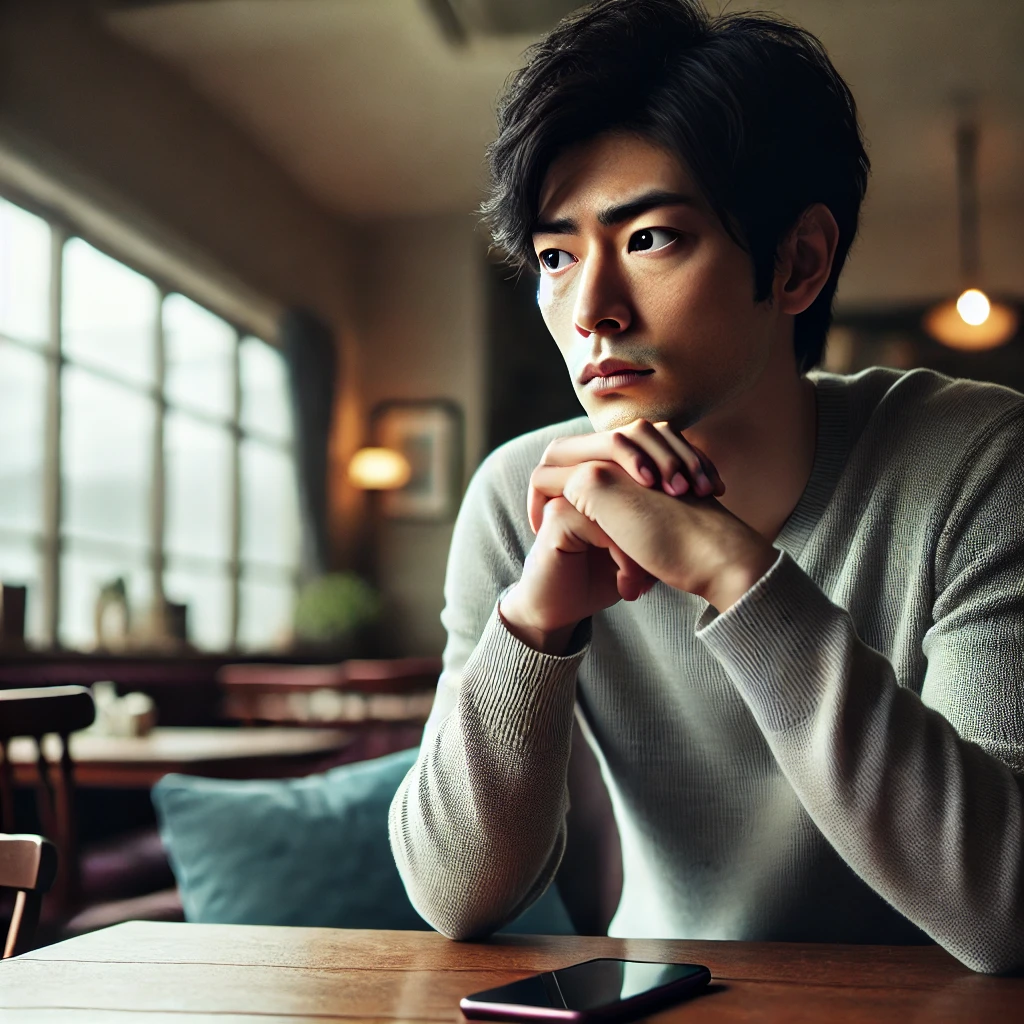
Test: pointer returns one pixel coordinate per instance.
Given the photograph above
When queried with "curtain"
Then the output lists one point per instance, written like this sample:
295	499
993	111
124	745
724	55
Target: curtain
309	350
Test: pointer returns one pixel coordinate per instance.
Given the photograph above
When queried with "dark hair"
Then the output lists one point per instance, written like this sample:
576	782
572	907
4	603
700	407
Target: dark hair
750	102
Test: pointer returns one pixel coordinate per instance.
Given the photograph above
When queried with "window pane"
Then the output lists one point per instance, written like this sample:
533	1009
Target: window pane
199	349
266	406
84	571
270	515
265	613
107	442
20	564
198	468
24	275
208	596
109	313
22	433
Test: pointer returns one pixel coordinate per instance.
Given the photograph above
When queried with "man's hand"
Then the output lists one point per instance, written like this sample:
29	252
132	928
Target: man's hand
651	453
573	570
616	511
691	544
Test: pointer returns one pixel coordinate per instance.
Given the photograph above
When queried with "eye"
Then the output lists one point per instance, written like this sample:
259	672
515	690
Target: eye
651	239
557	259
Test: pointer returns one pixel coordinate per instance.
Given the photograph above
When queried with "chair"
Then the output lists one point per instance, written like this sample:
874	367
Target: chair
37	712
28	865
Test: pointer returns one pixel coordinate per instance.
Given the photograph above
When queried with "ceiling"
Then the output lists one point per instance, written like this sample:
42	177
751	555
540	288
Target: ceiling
375	111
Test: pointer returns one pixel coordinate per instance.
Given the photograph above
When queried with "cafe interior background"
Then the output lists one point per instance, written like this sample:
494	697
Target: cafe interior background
253	345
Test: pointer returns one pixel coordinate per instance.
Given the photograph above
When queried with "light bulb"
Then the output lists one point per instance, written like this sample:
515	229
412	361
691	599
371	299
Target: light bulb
973	307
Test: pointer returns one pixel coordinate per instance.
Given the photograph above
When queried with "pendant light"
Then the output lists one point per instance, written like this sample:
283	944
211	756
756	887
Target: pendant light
972	321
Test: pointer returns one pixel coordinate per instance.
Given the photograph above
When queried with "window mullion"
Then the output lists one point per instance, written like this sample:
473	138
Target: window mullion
51	444
236	492
159	489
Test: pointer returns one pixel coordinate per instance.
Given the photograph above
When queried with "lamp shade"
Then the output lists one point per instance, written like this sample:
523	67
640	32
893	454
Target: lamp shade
379	469
947	323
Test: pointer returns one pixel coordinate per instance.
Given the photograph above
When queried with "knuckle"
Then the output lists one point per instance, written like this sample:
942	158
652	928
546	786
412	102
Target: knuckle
621	443
599	473
556	509
549	452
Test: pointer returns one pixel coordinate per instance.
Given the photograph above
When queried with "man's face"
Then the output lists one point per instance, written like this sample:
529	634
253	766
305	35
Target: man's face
636	268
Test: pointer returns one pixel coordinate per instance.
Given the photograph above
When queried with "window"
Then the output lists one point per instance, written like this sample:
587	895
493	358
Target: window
142	438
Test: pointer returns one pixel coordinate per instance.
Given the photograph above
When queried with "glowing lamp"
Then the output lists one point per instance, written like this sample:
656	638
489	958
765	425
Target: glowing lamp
972	322
379	469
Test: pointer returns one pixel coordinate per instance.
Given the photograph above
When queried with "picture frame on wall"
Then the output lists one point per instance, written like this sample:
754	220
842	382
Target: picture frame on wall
429	433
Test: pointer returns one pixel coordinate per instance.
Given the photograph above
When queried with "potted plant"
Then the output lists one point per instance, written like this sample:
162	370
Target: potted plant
333	611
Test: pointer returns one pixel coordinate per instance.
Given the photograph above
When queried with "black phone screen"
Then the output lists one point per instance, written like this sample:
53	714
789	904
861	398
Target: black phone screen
594	985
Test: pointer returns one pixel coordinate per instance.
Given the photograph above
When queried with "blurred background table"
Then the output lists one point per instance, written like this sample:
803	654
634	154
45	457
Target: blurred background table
145	972
232	753
268	718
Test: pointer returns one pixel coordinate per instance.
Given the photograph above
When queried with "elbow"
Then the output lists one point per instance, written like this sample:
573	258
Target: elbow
995	955
460	923
464	930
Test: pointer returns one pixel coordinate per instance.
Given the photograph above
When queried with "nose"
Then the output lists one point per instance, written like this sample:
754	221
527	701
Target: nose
602	301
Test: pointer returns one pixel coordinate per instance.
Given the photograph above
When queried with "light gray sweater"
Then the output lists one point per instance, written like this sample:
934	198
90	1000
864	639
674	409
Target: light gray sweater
838	757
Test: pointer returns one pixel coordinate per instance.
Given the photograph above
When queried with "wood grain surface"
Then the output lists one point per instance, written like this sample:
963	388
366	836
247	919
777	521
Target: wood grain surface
156	973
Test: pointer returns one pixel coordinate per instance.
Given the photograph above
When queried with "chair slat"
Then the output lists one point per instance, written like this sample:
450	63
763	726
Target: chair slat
36	710
27	862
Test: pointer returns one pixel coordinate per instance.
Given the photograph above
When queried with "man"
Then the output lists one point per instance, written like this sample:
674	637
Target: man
783	606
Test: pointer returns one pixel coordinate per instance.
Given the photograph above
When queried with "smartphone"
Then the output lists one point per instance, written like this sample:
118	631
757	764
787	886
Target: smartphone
596	990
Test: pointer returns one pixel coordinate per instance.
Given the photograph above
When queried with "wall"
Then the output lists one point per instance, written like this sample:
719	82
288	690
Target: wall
421	326
132	137
908	252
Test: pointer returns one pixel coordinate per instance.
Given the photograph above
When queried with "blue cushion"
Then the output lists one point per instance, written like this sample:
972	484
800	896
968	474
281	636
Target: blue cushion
311	851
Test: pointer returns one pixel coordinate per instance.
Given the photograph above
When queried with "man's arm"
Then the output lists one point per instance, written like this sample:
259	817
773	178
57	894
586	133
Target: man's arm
478	825
921	796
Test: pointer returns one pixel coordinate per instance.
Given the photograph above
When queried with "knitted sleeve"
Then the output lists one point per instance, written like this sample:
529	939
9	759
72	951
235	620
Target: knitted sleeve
478	825
921	795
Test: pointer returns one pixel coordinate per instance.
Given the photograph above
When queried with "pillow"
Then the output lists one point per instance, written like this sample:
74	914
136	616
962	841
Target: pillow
312	851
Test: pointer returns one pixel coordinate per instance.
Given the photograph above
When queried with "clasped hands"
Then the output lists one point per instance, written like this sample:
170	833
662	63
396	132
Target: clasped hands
617	511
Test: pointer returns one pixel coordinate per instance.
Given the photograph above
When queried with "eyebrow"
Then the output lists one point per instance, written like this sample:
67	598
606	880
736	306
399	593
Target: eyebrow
618	214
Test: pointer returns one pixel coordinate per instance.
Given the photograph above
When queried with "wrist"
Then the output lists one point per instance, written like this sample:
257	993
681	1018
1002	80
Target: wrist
736	576
519	623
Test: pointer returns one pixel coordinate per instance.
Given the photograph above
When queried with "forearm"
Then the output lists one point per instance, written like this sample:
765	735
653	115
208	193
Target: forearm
932	822
477	826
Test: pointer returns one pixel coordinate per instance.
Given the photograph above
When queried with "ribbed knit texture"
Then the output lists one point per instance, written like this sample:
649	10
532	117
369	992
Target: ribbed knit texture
838	757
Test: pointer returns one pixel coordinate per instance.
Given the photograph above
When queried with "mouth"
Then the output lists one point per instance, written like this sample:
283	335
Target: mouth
616	381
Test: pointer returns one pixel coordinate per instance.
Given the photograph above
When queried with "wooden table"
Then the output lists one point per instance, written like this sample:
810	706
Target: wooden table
150	973
137	762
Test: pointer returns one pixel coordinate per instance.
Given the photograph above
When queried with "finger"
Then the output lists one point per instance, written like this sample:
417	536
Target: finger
643	451
679	469
572	532
546	482
691	476
608	446
711	470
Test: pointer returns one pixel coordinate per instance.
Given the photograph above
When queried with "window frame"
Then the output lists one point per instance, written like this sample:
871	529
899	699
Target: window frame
52	538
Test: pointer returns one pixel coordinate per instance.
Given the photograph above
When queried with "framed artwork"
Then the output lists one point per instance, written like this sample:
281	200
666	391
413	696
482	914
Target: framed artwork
429	433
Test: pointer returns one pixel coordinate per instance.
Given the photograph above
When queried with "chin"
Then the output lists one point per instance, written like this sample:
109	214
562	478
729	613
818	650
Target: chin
610	415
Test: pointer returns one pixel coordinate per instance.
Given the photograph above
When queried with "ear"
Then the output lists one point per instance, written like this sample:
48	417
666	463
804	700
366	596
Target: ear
805	259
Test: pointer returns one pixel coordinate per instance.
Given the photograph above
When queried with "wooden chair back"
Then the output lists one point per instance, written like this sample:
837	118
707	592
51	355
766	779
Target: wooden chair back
36	712
28	865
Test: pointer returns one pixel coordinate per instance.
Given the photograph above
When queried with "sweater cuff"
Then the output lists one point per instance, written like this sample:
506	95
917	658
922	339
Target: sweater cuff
779	644
520	696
